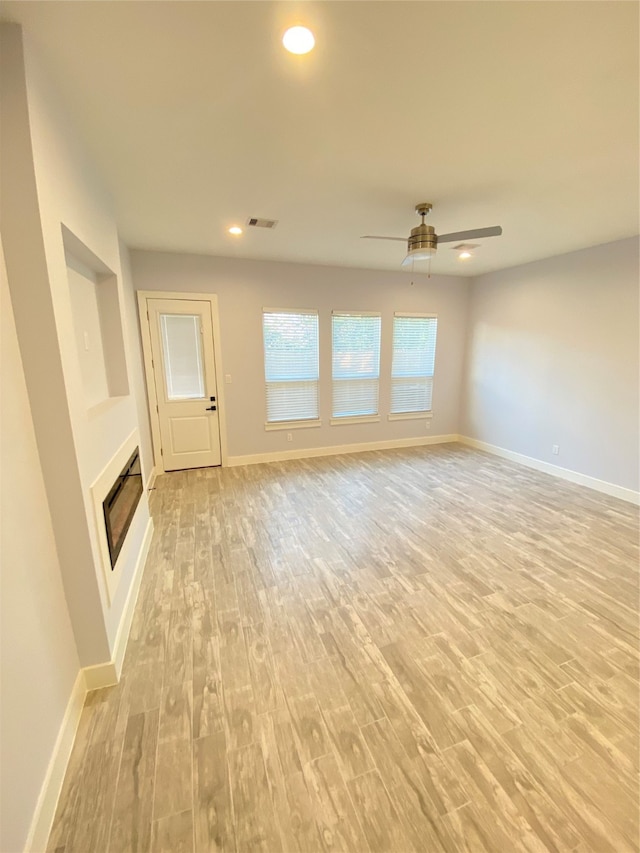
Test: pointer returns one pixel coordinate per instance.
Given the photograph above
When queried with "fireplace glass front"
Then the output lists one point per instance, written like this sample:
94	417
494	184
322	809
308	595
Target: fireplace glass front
120	505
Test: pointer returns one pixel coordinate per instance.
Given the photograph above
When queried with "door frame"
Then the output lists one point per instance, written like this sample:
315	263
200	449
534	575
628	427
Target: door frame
149	374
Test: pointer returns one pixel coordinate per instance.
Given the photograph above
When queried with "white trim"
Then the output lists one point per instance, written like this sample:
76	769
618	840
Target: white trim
100	675
313	311
217	355
145	333
175	294
152	400
152	479
122	636
45	809
408	416
108	673
336	450
412	314
556	471
275	425
356	314
355	419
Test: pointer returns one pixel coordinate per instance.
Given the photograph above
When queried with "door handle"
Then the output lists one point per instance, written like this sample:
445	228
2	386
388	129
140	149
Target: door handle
211	408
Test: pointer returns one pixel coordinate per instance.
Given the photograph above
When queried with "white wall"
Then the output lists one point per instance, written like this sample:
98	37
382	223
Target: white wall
38	338
38	653
136	363
245	287
88	336
553	359
49	185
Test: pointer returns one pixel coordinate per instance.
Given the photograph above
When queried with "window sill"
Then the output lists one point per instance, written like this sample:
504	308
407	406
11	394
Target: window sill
356	419
292	425
409	416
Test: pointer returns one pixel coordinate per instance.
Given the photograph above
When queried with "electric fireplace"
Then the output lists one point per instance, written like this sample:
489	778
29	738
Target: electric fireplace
120	504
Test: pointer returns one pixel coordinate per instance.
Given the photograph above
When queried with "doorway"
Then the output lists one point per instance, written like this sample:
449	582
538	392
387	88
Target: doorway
181	354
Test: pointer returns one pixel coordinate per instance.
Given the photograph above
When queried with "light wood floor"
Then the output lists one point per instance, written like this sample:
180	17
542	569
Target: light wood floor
430	650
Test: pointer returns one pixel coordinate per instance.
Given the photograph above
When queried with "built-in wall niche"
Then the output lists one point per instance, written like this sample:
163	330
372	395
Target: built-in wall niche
97	323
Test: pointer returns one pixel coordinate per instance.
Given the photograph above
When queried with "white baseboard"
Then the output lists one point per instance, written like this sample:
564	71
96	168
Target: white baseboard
52	785
108	673
122	637
89	678
556	471
100	675
152	478
336	450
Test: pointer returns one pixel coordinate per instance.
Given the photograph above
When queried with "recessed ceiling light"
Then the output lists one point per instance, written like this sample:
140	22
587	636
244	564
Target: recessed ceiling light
235	230
464	255
298	40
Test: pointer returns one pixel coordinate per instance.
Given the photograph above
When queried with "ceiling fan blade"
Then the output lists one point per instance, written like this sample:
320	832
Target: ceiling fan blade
374	237
494	231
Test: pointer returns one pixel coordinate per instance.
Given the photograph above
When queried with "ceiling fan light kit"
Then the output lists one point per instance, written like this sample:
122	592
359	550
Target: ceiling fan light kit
423	241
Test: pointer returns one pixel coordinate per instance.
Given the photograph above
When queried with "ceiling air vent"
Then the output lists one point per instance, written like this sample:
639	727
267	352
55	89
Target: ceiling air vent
262	223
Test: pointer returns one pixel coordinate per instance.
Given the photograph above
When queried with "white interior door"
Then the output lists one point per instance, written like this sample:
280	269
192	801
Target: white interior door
182	351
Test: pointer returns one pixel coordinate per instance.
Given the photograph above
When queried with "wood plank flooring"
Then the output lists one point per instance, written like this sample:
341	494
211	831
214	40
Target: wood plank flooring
414	650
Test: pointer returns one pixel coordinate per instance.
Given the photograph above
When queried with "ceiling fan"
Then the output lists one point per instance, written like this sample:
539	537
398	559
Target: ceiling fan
423	241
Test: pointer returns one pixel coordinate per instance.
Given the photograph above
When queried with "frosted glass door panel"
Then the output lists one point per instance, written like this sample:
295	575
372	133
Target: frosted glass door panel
182	351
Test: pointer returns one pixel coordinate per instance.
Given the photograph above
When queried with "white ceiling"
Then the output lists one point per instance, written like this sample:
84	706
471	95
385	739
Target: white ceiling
520	114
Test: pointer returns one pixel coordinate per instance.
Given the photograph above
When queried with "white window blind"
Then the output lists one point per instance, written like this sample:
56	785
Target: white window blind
356	364
182	350
414	354
291	364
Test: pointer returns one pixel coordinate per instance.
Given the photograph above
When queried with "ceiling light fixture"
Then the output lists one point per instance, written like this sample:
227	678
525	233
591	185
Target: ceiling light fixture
423	243
465	250
235	230
298	40
418	255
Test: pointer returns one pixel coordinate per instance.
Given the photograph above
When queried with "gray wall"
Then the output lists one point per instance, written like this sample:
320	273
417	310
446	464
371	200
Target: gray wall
245	287
552	358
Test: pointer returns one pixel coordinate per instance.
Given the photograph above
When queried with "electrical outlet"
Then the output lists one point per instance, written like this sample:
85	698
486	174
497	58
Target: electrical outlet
227	378
289	436
555	450
427	425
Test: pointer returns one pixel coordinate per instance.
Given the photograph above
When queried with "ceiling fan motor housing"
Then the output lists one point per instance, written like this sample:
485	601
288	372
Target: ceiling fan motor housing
423	237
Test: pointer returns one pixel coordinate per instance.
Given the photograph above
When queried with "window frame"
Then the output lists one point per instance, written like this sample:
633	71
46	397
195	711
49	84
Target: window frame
298	423
337	420
414	414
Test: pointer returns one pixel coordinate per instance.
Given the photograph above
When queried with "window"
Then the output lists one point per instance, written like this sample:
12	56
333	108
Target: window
356	364
291	365
414	354
182	354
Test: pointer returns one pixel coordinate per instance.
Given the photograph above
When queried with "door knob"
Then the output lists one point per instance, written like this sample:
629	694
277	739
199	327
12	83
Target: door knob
211	408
